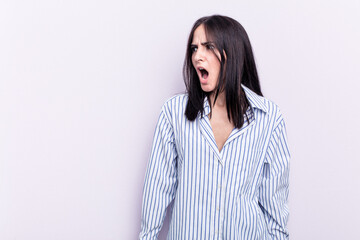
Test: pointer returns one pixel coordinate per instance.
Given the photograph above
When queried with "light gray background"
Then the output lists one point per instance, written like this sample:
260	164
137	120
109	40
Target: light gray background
82	84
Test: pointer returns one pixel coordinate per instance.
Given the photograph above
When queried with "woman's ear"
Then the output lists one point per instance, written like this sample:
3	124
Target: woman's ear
224	55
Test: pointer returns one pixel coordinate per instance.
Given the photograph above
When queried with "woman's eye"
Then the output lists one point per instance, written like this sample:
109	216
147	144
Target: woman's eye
194	49
211	47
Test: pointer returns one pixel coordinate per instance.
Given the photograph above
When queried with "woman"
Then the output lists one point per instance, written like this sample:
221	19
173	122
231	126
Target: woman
220	150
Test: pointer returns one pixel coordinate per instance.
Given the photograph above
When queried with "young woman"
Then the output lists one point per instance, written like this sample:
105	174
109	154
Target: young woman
220	150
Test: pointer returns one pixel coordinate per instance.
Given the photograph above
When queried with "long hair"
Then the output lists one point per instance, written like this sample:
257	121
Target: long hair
233	44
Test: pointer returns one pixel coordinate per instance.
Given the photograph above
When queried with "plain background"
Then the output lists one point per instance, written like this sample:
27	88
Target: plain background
82	84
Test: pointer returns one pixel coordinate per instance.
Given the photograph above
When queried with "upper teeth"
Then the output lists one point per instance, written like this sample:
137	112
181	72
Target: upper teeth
201	69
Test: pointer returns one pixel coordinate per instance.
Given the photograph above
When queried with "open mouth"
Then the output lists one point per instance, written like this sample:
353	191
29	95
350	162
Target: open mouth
204	73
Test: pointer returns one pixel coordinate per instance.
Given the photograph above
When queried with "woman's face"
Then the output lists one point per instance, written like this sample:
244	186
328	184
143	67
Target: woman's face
205	59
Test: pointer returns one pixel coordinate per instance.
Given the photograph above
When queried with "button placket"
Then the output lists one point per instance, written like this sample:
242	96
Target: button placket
221	205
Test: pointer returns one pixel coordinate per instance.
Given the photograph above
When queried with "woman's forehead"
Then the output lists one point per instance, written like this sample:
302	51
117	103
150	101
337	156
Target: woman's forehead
199	34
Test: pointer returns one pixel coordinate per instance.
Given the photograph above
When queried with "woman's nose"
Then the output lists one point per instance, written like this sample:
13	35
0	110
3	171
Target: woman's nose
199	55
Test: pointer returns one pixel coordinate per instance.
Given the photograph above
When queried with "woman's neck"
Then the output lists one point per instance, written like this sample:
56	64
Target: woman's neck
220	100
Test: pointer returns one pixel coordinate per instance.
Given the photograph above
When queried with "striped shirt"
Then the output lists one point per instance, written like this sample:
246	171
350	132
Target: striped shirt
240	192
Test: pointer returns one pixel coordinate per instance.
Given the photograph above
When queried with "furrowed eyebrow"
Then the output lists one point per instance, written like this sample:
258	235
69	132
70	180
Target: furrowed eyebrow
207	43
203	43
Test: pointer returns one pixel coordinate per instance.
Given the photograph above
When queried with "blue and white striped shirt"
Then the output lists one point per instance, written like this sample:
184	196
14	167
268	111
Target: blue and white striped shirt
240	192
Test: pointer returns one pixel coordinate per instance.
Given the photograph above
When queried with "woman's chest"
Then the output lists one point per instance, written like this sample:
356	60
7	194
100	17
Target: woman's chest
242	153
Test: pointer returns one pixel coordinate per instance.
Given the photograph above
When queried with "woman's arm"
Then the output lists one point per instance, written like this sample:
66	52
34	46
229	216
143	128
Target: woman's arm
160	179
274	190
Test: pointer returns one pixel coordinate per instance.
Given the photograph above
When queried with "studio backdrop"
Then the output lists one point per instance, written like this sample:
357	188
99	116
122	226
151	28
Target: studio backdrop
82	84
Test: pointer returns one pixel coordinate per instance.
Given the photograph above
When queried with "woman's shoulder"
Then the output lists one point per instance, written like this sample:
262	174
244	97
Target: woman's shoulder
175	105
177	98
264	105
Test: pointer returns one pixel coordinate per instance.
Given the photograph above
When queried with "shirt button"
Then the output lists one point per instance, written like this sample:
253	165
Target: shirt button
218	208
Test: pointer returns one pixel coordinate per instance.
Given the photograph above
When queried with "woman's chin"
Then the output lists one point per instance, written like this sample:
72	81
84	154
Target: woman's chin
206	88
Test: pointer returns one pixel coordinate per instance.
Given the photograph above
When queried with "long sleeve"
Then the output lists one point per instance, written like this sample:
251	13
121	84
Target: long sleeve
160	179
274	190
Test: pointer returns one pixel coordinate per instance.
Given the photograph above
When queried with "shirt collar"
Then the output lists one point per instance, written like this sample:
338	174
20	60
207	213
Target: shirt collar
255	101
207	108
